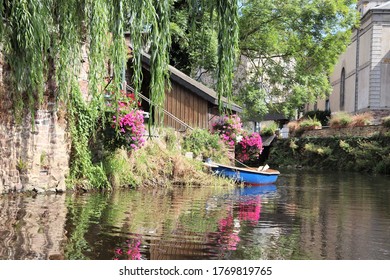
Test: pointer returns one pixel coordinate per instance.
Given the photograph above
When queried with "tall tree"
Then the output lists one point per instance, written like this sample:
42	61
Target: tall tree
291	47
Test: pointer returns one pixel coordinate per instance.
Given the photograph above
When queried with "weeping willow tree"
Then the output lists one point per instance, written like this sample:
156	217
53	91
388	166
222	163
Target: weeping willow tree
37	32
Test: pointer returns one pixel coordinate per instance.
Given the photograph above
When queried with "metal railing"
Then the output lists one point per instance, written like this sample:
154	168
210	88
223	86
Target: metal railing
173	117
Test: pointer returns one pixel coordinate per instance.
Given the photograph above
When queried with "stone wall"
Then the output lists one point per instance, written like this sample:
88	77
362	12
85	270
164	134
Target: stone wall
34	159
364	131
31	158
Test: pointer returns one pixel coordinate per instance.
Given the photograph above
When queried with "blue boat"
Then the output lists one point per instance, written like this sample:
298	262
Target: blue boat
251	191
248	176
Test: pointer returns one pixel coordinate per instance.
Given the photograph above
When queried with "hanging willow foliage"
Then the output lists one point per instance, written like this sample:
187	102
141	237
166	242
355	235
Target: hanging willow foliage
227	47
159	59
31	27
26	41
227	22
69	22
98	15
141	13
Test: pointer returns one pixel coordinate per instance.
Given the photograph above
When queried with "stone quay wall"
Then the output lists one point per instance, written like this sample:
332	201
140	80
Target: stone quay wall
363	131
34	159
31	157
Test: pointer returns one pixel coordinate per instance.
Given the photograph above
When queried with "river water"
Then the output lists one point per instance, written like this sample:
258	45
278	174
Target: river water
305	215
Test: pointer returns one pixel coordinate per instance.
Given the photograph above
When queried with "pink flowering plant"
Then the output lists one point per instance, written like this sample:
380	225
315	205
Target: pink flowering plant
249	148
126	123
229	129
131	128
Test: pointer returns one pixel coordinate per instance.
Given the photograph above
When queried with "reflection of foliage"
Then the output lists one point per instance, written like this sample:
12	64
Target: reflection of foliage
82	217
286	247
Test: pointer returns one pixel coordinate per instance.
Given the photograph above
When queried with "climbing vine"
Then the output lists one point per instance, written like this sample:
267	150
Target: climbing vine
82	171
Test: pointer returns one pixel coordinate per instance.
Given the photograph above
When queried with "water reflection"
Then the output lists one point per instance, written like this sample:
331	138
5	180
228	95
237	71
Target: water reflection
305	216
32	227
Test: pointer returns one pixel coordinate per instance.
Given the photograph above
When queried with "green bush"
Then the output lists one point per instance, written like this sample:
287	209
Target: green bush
386	121
118	169
203	143
340	119
322	116
269	130
309	123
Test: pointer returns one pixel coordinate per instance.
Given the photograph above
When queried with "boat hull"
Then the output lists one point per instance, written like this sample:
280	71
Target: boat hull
245	175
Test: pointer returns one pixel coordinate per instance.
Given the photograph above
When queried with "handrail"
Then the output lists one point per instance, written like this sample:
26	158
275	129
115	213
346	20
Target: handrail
165	111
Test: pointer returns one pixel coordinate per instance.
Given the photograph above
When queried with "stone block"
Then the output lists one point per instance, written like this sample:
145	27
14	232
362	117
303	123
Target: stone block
38	190
61	187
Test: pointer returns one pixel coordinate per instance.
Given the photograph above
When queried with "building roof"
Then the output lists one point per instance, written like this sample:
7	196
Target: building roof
195	86
385	6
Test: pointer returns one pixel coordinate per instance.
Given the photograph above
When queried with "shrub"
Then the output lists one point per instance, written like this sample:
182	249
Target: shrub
321	116
205	144
125	128
309	124
386	121
293	126
249	148
362	119
229	128
319	150
118	170
269	130
340	119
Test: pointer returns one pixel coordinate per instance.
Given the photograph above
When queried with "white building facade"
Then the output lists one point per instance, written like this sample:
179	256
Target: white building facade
361	78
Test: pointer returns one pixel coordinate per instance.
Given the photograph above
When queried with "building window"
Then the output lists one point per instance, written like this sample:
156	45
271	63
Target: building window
327	105
342	89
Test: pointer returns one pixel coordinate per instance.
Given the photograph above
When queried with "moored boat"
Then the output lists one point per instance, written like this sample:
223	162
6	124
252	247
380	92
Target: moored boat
248	176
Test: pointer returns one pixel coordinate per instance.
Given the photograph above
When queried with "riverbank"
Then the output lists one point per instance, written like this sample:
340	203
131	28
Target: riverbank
351	153
157	165
160	163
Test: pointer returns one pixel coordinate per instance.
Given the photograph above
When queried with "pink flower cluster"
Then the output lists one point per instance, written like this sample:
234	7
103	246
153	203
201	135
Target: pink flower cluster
133	251
249	148
229	128
228	234
131	126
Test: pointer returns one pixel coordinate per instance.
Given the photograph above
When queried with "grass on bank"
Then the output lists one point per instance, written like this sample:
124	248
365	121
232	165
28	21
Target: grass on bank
160	163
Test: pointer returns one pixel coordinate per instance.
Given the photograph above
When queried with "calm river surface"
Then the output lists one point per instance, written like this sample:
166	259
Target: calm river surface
304	216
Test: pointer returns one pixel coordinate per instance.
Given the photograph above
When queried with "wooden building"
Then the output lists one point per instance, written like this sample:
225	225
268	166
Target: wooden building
188	103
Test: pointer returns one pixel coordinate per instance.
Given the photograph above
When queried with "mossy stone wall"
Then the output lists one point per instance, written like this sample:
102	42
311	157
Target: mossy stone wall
355	153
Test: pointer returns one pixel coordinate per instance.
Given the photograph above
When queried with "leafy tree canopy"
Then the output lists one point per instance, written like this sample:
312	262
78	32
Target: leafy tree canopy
291	47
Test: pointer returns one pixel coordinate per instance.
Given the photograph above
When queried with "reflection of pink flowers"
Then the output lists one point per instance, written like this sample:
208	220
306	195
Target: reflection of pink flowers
250	210
228	235
133	251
